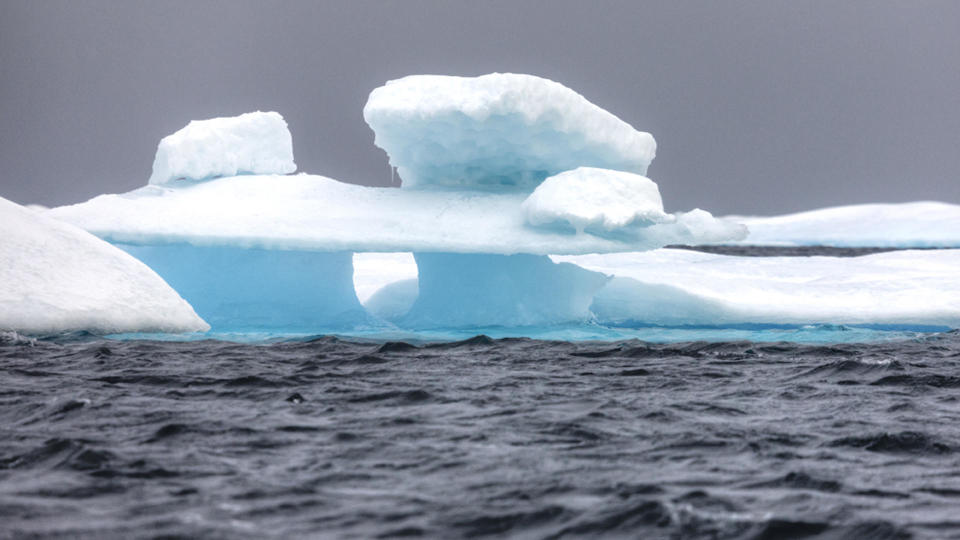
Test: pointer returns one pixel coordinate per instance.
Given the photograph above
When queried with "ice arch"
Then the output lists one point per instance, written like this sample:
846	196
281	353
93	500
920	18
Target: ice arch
456	290
236	288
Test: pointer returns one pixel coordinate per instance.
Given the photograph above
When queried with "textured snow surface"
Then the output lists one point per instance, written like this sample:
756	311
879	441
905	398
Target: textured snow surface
596	200
675	287
495	130
306	212
252	143
56	278
917	224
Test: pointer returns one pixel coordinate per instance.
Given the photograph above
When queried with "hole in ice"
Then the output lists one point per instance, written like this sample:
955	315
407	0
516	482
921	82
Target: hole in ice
386	283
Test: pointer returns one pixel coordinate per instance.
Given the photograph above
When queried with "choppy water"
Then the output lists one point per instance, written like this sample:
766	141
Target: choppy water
513	437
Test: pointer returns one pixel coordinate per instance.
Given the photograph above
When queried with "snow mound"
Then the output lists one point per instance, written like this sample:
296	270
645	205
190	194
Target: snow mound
497	130
677	287
252	143
56	278
306	212
598	200
916	224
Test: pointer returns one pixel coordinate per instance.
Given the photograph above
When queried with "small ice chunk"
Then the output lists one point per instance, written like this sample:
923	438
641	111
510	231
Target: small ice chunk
252	143
56	278
593	199
497	130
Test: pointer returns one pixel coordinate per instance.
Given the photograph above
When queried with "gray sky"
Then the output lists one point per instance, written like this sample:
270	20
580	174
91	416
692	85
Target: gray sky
757	106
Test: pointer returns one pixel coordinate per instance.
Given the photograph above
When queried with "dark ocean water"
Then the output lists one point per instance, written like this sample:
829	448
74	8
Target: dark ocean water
327	437
513	437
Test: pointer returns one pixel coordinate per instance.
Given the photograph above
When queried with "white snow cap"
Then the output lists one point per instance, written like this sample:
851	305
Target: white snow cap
252	143
56	278
501	129
596	199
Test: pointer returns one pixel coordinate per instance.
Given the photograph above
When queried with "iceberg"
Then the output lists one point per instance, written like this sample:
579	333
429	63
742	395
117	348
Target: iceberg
903	225
499	171
672	287
497	130
56	278
252	143
263	229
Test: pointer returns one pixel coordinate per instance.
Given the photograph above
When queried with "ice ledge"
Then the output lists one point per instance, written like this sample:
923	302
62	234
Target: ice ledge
314	213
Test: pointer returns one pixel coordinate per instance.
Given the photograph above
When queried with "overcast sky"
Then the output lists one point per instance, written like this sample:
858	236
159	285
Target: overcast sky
758	107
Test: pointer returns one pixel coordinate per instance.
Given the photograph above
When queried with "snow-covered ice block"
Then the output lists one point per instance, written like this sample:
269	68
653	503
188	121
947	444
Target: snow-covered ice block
916	224
314	213
252	143
496	130
601	201
238	289
474	290
678	287
56	278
